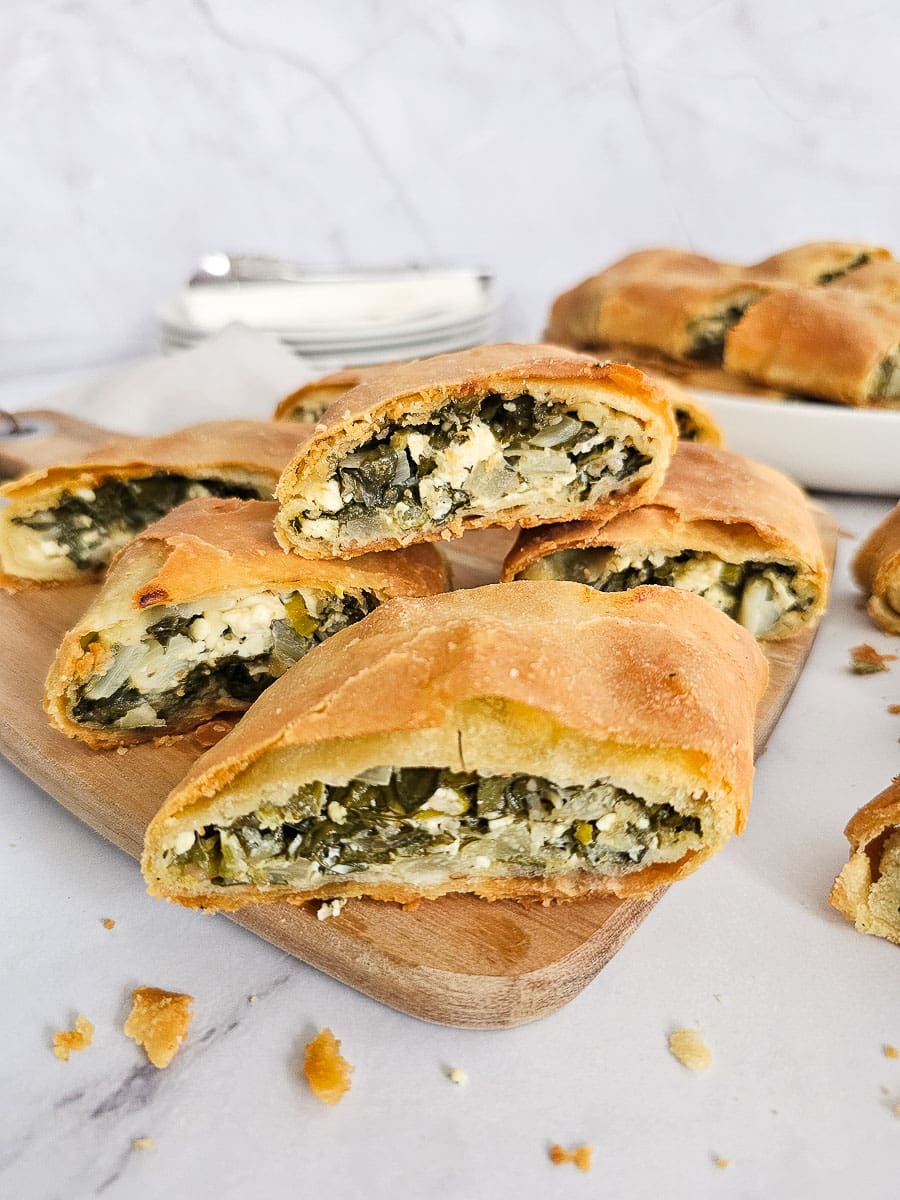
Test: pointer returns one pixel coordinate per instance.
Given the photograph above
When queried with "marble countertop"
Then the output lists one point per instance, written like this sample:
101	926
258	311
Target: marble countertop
794	1004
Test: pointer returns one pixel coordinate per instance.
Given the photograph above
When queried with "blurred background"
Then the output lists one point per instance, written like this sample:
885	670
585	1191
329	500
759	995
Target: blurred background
538	140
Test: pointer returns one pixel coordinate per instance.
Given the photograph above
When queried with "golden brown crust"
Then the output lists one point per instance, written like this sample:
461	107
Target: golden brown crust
424	385
815	342
686	407
648	676
876	569
852	890
712	500
807	265
204	548
879	279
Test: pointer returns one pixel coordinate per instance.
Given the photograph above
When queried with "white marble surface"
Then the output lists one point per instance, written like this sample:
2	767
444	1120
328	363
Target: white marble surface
795	1005
543	140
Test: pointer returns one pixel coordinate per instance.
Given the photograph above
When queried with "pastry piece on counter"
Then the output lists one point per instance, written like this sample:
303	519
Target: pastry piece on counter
695	423
498	435
531	740
876	569
722	526
65	522
669	301
867	891
839	345
201	613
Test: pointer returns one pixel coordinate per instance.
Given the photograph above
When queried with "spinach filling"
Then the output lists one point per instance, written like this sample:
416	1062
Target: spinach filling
756	594
89	526
886	385
404	467
688	429
518	824
707	333
838	272
195	689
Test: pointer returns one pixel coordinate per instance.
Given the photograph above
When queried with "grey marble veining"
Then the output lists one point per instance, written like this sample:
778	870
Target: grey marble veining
542	140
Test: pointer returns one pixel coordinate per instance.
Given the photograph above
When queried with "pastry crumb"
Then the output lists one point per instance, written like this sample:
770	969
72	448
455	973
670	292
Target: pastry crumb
159	1022
458	1076
891	1051
143	1143
79	1038
865	660
514	672
108	923
894	708
327	1071
721	1162
252	999
690	1049
411	905
896	1110
330	908
121	749
581	1156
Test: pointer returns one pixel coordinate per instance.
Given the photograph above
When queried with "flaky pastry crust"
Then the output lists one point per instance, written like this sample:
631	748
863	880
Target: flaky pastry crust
876	569
852	893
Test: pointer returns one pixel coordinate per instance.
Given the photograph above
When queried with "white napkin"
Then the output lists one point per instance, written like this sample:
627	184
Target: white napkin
237	373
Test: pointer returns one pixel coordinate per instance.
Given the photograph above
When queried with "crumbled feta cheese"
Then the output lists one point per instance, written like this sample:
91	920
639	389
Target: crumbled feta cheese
337	812
183	842
330	908
458	1076
481	862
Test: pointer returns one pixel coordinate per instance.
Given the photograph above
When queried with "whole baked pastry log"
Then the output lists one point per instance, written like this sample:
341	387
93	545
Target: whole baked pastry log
695	423
867	891
498	435
66	522
533	740
202	612
724	527
841	345
876	569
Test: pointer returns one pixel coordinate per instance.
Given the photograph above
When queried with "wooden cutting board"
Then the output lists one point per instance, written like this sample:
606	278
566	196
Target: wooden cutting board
455	961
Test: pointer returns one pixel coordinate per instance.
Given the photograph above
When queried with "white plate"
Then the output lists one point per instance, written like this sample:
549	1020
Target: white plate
825	446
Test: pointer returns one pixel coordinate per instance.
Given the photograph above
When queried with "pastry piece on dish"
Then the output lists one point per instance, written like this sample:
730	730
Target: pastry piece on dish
498	435
309	402
867	891
727	528
818	264
201	613
66	522
695	423
669	301
876	569
532	740
839	345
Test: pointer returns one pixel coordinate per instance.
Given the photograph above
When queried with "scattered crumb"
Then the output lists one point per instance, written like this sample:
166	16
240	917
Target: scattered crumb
108	923
891	1051
894	708
330	908
121	749
159	1022
865	660
142	1143
252	999
580	1156
722	1162
690	1049
411	905
67	1040
210	733
458	1076
327	1071
896	1110
885	1091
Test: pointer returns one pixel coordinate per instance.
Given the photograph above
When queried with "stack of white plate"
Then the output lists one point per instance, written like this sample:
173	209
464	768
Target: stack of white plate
336	319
